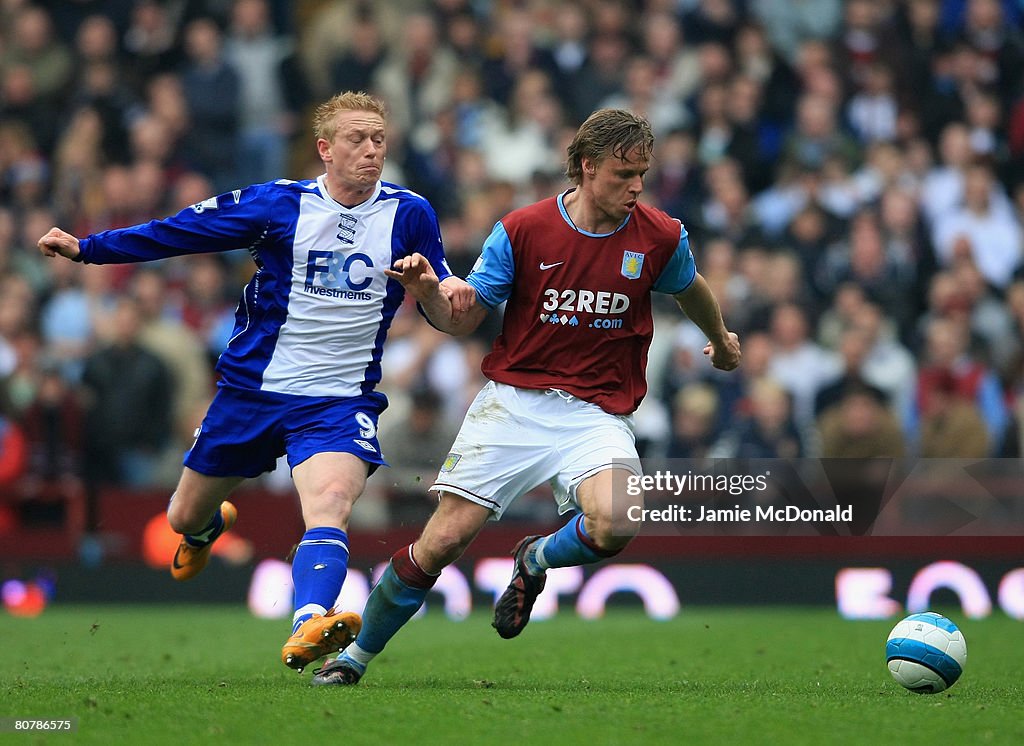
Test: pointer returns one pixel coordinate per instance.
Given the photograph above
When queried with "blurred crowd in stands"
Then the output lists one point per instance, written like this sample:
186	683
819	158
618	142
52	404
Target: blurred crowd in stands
851	175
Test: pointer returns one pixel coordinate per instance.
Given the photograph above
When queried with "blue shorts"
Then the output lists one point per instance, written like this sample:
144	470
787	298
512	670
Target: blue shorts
245	432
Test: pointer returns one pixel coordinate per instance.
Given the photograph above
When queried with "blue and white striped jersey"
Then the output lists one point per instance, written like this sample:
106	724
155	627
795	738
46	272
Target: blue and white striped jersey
314	316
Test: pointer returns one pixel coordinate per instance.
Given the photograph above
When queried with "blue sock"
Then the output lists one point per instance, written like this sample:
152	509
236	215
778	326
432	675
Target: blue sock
209	534
318	571
397	596
569	546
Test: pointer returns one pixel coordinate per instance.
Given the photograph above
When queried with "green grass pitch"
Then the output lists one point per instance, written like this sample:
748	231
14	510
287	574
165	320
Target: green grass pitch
174	675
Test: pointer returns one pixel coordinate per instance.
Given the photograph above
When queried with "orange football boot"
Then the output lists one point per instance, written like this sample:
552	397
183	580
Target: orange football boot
320	635
188	560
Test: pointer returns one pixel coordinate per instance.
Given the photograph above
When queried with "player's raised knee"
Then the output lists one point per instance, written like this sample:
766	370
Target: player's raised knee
185	518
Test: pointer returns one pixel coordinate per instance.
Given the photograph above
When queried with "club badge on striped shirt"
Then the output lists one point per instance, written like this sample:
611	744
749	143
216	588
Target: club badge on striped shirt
632	264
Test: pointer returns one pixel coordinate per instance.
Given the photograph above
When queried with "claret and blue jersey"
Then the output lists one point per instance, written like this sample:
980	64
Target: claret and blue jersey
313	318
578	312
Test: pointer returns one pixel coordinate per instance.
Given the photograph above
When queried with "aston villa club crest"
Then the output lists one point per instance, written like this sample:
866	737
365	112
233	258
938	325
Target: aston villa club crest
632	265
450	462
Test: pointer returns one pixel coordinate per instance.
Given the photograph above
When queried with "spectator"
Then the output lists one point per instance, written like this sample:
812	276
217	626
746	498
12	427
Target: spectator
515	54
860	427
53	422
676	64
100	87
209	309
213	91
416	77
354	67
757	59
906	241
889	365
817	135
735	392
714	127
32	43
25	258
601	75
981	229
150	43
952	427
713	21
873	110
569	47
854	347
676	180
16	314
13	451
78	163
987	315
789	23
910	45
694	415
948	357
858	41
768	429
641	94
464	33
416	445
998	43
863	259
272	90
182	352
96	40
751	143
728	211
75	315
524	143
799	364
943	186
120	380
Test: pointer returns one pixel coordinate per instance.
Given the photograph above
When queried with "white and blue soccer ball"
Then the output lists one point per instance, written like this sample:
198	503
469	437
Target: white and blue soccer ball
926	653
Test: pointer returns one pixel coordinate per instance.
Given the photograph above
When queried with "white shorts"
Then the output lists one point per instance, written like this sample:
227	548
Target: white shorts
514	439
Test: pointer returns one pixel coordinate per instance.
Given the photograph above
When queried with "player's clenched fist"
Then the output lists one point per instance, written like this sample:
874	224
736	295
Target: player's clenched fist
60	242
724	355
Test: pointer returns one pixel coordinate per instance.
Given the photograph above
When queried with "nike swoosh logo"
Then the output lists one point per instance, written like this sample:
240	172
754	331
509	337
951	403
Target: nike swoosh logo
174	562
544	266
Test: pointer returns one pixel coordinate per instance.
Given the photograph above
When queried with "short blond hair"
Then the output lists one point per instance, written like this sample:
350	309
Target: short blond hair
608	132
325	117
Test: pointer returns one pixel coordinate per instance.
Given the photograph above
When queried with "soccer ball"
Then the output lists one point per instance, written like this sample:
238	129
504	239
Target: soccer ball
926	653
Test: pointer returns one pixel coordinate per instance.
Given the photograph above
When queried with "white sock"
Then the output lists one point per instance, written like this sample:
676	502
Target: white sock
534	559
358	655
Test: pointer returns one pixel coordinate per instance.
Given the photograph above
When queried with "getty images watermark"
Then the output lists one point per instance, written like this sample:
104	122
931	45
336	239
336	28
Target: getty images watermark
664	482
825	497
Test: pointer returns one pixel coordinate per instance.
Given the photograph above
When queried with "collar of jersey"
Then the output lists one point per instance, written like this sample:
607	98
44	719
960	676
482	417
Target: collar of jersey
361	207
567	219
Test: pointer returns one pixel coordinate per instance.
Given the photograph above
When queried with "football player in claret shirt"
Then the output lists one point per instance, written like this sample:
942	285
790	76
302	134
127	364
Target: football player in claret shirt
576	272
299	373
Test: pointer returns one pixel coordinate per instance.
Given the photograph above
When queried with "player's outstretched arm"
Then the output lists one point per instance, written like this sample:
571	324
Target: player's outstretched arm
450	305
59	242
701	306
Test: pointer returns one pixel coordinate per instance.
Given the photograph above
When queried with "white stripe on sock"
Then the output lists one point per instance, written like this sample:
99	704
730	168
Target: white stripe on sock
417	565
315	542
308	609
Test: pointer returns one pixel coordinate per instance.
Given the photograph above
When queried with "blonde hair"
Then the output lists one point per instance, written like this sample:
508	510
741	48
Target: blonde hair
326	114
608	132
